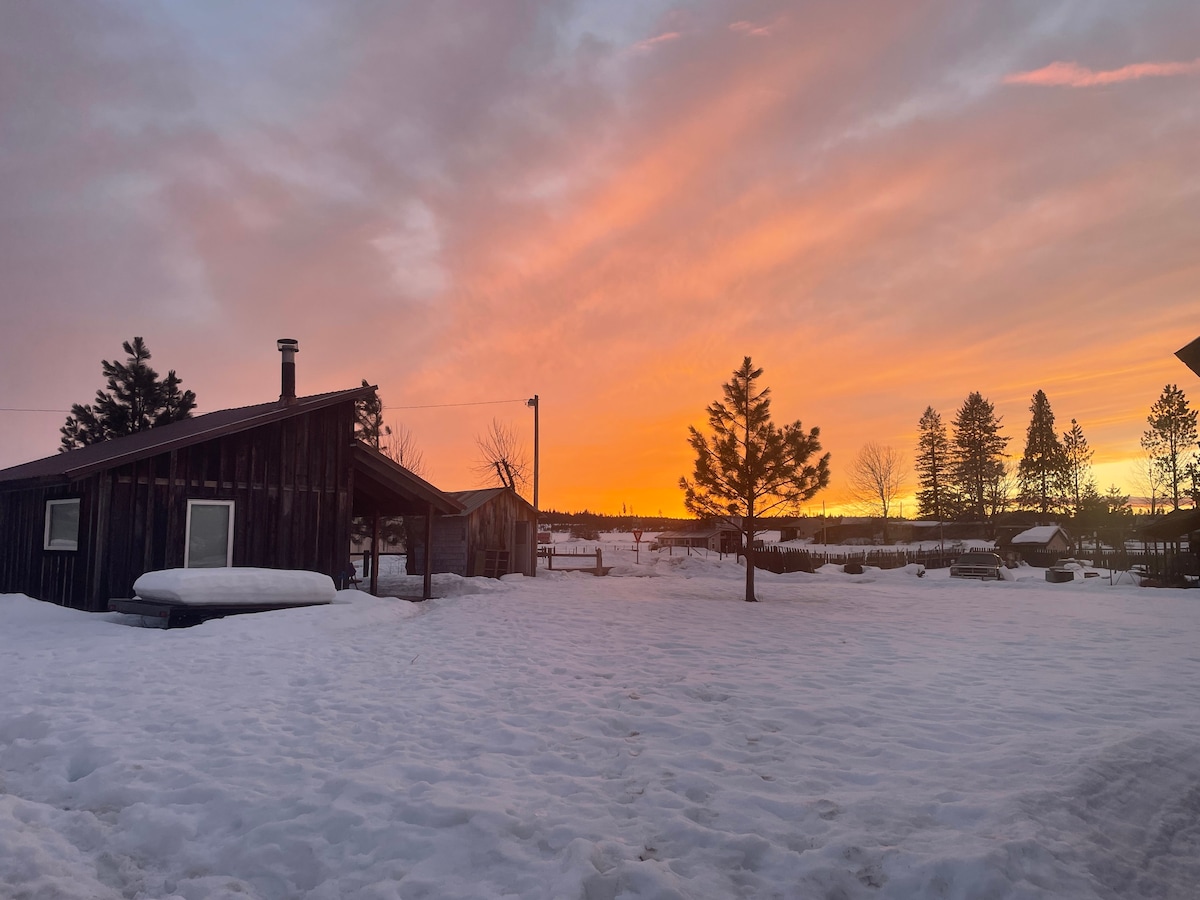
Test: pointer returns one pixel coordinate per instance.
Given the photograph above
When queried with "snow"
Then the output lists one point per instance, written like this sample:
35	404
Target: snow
879	735
234	586
1038	534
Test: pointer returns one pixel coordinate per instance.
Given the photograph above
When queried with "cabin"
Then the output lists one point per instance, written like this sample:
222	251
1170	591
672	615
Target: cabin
272	486
801	528
493	535
1035	544
719	537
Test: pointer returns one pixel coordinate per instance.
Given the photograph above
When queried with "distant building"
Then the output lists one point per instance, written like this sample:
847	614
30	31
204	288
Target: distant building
719	537
1014	543
493	535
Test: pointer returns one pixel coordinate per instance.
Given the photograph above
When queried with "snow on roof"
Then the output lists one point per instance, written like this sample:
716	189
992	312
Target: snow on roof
1038	534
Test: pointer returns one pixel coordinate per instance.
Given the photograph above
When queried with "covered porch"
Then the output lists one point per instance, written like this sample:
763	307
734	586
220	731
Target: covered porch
383	488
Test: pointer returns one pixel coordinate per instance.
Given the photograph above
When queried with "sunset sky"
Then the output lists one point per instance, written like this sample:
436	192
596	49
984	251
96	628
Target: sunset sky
607	203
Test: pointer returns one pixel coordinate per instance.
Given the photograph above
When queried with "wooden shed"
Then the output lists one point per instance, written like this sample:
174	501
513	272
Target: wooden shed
493	535
272	485
717	536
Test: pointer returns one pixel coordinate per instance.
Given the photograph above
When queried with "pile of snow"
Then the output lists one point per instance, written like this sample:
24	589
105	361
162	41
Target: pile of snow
245	586
633	738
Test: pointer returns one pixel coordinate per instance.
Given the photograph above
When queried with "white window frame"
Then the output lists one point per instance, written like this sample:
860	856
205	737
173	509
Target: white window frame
60	545
187	531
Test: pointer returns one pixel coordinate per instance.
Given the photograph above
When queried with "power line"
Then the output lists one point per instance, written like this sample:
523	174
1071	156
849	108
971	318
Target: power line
445	405
25	409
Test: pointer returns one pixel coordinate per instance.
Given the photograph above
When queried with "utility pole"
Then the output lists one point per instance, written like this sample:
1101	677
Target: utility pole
533	402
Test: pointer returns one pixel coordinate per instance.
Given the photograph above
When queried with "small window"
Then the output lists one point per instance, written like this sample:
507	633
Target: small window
62	525
208	543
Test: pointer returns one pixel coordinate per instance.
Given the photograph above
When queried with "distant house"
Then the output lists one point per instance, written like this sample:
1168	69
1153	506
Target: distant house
1013	542
1180	523
798	528
494	534
719	537
273	485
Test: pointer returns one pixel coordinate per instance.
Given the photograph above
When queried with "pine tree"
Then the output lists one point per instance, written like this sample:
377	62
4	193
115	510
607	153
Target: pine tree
368	420
750	466
1077	466
977	457
135	400
1041	472
1171	439
933	467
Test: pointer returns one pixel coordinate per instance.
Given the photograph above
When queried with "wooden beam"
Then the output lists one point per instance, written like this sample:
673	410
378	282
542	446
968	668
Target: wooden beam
427	593
375	555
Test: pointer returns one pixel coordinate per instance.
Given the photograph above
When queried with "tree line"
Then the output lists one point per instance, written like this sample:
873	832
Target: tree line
964	473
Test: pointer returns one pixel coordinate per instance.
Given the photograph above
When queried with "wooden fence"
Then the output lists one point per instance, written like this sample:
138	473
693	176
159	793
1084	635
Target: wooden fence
792	559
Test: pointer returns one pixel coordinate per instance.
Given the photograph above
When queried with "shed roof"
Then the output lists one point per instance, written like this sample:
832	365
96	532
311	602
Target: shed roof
93	458
1038	534
1174	524
475	499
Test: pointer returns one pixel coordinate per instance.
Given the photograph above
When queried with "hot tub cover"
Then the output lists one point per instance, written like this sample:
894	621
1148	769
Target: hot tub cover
235	586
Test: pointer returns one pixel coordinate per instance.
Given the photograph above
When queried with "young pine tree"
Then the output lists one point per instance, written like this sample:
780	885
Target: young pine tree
1170	440
1041	472
933	467
749	466
977	457
135	400
1077	467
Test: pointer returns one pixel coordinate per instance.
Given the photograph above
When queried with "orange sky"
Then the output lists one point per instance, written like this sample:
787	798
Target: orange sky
607	204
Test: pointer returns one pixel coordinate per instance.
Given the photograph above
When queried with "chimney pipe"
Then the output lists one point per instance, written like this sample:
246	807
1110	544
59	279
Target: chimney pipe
289	347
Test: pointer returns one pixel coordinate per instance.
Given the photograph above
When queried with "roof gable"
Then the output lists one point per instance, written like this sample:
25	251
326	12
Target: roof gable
480	497
93	458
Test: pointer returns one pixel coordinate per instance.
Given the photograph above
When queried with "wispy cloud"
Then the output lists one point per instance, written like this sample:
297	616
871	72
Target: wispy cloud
1071	74
664	38
753	29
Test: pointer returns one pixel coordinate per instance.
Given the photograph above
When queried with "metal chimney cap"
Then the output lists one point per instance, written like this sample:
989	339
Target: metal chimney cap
286	344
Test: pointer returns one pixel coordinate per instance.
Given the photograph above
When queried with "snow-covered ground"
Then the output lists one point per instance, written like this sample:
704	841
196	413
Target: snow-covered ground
873	736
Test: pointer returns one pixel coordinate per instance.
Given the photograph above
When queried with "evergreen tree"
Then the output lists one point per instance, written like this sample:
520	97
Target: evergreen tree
1077	466
750	466
1041	472
1171	440
368	420
135	400
977	457
933	467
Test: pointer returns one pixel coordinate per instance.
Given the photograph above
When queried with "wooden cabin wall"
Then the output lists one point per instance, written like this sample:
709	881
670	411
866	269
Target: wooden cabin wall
291	486
290	483
57	576
493	525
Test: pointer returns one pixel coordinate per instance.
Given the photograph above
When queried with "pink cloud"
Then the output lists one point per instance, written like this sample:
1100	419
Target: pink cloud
651	43
1070	74
750	29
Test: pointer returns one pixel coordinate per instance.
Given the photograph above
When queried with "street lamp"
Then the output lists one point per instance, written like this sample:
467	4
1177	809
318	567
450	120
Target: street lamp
533	402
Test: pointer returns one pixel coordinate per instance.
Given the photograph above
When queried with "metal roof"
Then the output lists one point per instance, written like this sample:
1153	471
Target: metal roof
473	500
85	461
383	485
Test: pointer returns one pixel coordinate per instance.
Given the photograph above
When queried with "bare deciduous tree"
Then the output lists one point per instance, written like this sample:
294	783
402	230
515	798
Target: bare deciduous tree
1147	481
400	446
877	477
502	458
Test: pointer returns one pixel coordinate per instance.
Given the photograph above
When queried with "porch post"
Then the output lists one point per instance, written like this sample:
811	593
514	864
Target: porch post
428	591
375	555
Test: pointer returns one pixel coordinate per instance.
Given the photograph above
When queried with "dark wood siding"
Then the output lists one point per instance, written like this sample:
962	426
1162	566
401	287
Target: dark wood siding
290	482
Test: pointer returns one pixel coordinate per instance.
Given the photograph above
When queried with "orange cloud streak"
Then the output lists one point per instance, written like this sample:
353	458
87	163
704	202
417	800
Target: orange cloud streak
1071	74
